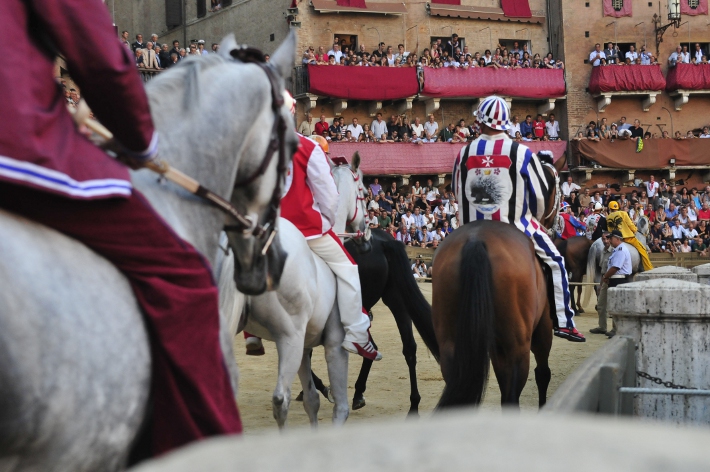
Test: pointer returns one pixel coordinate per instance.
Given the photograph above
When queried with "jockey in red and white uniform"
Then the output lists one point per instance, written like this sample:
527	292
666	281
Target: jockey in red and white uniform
496	178
310	202
571	224
52	174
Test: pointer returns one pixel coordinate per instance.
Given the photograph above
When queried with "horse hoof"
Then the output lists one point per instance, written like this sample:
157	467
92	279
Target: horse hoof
413	415
358	403
299	398
328	394
580	310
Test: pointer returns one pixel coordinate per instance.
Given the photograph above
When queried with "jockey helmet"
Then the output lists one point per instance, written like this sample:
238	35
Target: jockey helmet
598	207
613	205
564	205
494	113
290	102
321	141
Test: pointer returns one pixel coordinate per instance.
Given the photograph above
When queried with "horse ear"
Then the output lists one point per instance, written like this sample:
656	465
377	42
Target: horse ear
227	45
355	161
283	58
559	164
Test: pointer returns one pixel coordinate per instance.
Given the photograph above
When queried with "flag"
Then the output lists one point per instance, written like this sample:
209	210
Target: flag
617	8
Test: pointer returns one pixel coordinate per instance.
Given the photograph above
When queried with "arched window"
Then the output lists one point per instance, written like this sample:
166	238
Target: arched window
617	5
693	4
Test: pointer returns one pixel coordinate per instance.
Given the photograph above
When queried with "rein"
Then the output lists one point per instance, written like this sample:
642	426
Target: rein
359	198
556	207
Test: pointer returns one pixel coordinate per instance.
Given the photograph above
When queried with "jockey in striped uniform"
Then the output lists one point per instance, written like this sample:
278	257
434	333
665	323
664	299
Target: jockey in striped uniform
496	178
571	224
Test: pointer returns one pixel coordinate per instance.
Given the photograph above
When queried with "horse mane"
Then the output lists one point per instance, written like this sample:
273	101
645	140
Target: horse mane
187	74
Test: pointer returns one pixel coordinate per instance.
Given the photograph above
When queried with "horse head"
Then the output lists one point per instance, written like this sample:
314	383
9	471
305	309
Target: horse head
223	120
552	200
350	216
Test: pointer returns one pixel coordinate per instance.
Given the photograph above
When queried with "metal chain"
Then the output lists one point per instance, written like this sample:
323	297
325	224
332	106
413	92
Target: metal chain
659	381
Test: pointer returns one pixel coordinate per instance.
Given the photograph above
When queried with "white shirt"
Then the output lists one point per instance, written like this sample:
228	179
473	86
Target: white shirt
513	129
431	128
355	130
704	135
432	194
651	188
568	188
684	57
336	54
645	59
593	57
678	231
418	131
408	220
699	55
621	259
553	129
378	128
633	55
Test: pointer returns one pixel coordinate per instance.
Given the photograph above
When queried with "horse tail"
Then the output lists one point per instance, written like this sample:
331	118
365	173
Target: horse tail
418	308
591	274
466	382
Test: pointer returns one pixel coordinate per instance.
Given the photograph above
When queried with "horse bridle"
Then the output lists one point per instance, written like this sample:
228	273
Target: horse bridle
359	198
245	224
556	206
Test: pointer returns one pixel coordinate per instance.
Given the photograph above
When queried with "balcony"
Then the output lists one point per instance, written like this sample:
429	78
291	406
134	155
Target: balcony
644	82
685	80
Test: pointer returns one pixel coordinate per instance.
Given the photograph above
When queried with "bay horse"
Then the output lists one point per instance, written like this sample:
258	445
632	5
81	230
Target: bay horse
575	250
492	301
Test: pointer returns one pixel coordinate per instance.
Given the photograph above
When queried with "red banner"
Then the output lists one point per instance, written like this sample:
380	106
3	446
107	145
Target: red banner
689	77
478	82
516	8
624	11
351	3
363	83
700	9
635	78
414	159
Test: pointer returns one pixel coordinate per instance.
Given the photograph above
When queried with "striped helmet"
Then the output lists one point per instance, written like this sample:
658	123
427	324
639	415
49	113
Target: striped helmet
494	113
564	205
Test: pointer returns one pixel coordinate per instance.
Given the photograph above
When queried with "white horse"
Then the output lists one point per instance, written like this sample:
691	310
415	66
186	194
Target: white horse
303	312
594	265
74	353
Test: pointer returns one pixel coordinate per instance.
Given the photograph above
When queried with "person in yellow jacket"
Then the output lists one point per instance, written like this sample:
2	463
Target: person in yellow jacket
620	221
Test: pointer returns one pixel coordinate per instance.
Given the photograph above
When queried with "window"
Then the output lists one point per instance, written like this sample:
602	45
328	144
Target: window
201	8
693	4
350	41
510	45
617	5
445	40
173	13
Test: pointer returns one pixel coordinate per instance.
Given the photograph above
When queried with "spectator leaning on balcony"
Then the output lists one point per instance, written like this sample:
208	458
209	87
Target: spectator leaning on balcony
307	128
685	55
430	130
447	134
514	127
150	59
595	58
154	40
138	44
636	131
164	55
378	126
355	129
321	126
632	54
646	57
675	57
539	127
698	53
526	126
336	53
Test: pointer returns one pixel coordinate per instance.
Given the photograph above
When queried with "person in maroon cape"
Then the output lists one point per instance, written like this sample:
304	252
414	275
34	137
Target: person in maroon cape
52	174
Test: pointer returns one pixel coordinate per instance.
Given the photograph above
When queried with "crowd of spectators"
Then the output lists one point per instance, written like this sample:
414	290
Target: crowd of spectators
154	56
613	55
679	217
415	215
400	129
440	54
597	131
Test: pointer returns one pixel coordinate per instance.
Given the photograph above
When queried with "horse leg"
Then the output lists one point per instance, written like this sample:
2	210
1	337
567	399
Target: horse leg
290	350
337	359
540	347
409	349
361	383
311	401
511	369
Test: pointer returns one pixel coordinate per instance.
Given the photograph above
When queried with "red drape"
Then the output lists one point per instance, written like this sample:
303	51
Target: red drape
363	83
701	9
625	10
688	76
414	159
351	3
476	82
633	78
516	8
447	2
294	3
656	153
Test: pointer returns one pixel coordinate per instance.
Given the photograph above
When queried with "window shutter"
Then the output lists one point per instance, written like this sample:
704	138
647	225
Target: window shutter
201	8
617	5
173	13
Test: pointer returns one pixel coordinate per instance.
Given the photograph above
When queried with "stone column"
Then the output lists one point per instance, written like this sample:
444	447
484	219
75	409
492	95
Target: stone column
703	273
669	320
668	272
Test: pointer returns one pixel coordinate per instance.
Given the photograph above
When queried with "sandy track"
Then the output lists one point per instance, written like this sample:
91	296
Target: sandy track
388	386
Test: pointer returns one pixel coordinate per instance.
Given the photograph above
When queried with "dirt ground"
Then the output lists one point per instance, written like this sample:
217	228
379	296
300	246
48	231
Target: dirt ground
387	394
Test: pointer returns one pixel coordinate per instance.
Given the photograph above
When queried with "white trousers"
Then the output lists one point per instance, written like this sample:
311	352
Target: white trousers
329	248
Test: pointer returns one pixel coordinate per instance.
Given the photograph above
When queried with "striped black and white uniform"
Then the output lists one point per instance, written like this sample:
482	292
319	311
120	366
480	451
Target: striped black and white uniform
496	178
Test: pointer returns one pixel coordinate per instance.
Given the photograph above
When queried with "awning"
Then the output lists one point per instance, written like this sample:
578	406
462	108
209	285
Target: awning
363	83
414	159
479	13
331	6
633	78
688	77
656	153
480	82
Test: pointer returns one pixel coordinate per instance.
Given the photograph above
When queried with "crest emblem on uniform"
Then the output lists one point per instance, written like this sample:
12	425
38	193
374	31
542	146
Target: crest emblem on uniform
488	185
288	178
